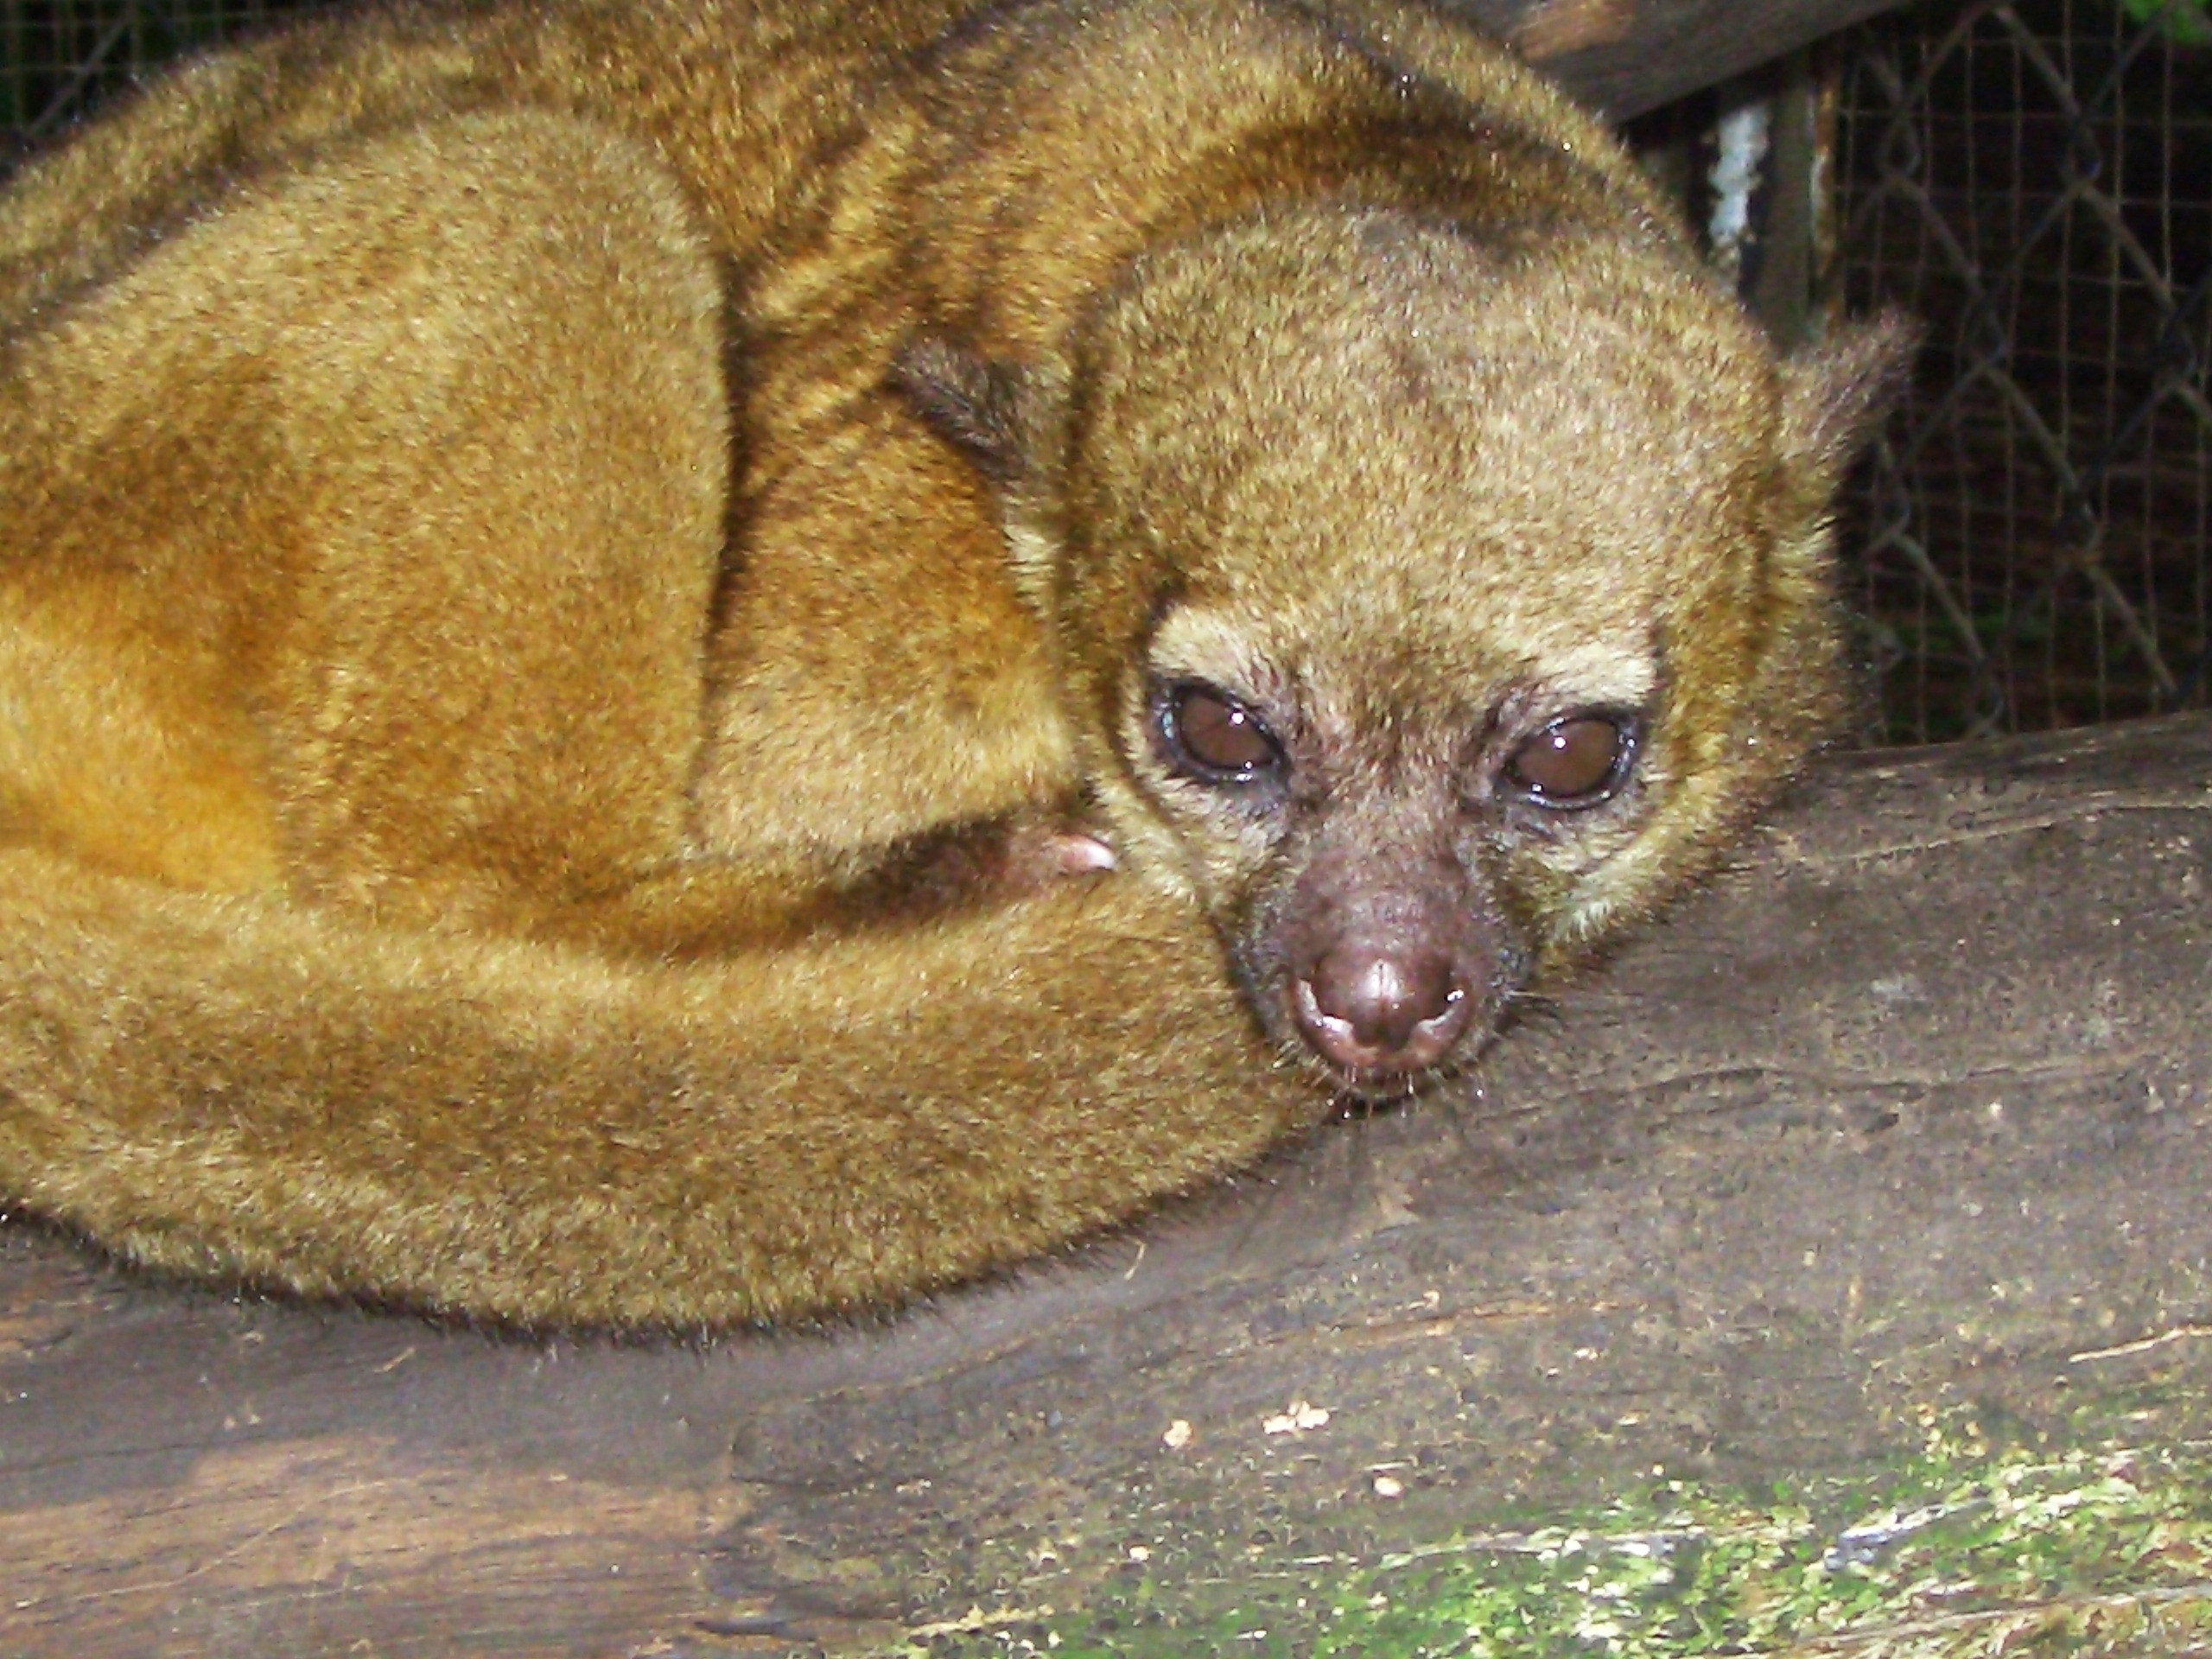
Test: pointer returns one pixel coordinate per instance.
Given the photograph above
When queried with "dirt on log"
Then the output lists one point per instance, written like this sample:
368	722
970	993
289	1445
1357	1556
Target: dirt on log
1910	1106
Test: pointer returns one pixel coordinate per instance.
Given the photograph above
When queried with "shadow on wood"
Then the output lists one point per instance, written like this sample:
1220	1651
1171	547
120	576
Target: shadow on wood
1912	1105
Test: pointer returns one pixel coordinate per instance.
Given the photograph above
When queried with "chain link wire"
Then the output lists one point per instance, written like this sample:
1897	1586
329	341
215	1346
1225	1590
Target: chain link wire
58	57
2035	182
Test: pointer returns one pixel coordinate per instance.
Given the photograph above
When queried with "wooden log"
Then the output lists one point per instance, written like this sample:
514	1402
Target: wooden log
1626	57
1913	1103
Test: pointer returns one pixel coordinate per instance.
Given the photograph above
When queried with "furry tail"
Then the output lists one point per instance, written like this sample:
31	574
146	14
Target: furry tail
522	1132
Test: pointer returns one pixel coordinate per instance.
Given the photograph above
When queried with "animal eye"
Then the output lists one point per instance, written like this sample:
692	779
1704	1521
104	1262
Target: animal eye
1214	737
1575	761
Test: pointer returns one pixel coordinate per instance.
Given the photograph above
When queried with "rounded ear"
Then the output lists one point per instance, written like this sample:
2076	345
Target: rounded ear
1834	393
985	408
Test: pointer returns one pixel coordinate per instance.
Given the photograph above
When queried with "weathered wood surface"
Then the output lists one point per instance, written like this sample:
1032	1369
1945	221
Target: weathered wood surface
1913	1106
1628	56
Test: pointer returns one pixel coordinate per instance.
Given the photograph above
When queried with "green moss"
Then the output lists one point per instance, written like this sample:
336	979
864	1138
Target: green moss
1977	1545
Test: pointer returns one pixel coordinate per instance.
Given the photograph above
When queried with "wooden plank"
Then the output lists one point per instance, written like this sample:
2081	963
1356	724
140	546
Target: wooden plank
1627	56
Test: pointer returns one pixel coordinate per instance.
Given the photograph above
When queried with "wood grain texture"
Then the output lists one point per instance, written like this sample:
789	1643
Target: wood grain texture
1627	56
1910	1107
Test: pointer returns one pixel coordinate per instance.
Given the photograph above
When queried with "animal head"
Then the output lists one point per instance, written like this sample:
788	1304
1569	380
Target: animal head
1428	602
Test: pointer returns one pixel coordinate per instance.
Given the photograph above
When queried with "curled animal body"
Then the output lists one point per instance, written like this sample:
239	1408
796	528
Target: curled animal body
683	662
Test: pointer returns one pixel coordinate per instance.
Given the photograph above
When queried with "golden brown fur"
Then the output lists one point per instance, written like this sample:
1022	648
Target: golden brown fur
571	576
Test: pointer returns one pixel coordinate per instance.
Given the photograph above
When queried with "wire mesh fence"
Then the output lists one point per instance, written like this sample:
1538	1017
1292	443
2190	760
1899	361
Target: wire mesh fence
2035	181
2028	542
58	57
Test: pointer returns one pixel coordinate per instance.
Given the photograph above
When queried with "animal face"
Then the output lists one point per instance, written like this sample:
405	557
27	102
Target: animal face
1433	602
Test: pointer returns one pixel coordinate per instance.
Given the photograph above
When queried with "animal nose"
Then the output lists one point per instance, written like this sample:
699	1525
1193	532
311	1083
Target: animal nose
1370	1009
